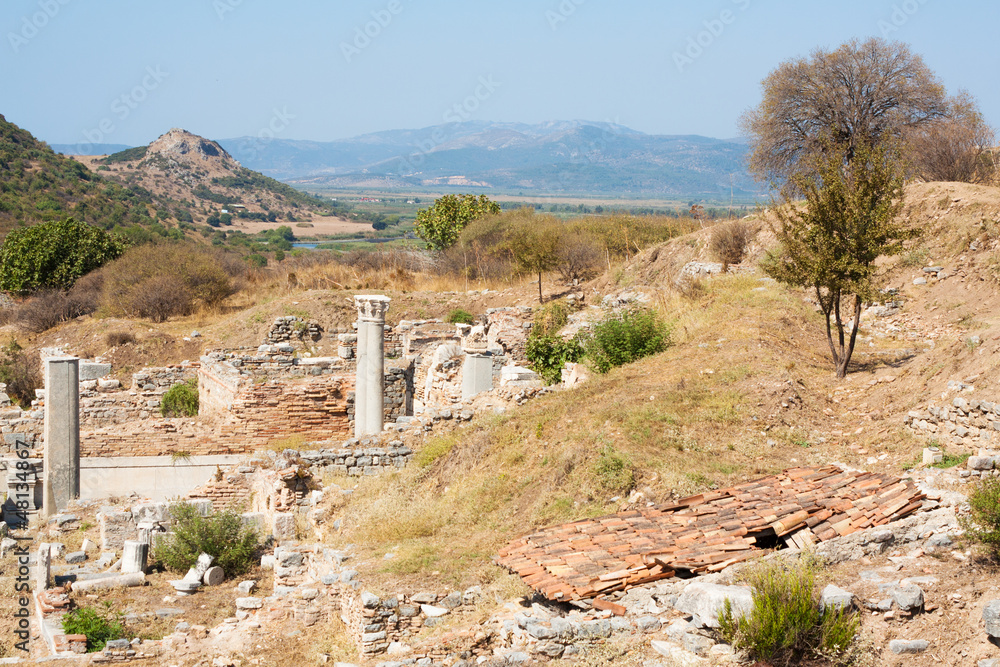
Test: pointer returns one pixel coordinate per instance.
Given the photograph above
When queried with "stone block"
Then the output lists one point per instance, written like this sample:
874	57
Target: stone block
158	512
430	611
907	598
284	526
599	629
991	618
706	601
980	463
902	646
93	371
835	597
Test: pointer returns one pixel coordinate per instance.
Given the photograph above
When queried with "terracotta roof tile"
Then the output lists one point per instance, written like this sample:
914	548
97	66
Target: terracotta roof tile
706	532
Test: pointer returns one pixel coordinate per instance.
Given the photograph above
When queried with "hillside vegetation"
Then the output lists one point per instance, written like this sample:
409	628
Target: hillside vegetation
36	185
747	390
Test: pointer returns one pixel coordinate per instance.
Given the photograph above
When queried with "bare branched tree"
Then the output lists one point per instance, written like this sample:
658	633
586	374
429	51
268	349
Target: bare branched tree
956	147
860	93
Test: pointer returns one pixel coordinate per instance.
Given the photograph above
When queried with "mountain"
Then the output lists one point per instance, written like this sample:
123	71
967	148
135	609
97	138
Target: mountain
180	168
557	157
36	185
88	148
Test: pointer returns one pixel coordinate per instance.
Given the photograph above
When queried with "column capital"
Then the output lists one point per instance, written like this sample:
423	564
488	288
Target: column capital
371	307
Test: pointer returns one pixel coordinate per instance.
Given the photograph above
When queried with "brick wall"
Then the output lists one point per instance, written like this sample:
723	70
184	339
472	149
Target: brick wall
261	413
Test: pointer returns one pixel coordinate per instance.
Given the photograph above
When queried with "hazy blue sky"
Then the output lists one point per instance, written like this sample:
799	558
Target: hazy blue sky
125	71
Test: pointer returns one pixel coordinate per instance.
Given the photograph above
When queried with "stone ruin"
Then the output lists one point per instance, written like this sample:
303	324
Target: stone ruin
252	397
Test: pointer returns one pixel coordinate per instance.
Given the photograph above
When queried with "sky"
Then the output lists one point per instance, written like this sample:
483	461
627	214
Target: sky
126	71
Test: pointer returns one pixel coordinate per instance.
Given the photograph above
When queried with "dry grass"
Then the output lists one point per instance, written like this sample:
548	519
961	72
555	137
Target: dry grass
675	424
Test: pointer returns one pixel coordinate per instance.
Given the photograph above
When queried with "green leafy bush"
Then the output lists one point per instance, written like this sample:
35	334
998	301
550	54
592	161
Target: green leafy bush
547	355
982	523
181	400
546	352
785	625
222	535
625	336
459	316
54	254
100	626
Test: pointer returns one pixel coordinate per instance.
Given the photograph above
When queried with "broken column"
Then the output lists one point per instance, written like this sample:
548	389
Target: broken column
43	567
134	556
61	471
477	374
368	392
477	369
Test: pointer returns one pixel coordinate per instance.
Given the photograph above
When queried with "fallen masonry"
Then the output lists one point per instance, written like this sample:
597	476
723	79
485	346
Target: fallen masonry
707	532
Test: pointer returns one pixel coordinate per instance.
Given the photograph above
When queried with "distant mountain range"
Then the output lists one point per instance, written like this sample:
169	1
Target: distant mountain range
570	157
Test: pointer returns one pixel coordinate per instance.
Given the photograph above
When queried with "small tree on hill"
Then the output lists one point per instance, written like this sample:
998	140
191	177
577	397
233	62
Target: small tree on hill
533	242
830	245
440	225
54	255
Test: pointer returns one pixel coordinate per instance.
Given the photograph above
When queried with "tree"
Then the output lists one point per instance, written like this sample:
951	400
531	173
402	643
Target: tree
54	254
863	93
956	147
533	242
830	245
440	225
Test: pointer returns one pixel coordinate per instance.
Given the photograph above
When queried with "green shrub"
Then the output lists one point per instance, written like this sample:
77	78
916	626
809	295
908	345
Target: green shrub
785	625
100	626
459	316
625	336
54	254
547	355
982	523
181	400
613	470
222	535
545	351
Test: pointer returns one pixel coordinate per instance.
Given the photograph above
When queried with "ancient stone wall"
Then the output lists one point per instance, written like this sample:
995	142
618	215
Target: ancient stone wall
966	421
394	339
292	329
261	413
507	330
103	401
19	425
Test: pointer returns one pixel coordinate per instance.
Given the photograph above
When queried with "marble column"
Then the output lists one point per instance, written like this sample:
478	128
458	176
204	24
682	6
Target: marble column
369	388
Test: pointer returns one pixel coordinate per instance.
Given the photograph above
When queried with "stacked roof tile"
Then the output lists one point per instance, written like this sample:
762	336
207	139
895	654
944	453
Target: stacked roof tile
706	532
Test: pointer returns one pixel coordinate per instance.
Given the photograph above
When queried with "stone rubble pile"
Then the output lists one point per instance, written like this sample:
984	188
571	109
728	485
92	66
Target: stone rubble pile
291	328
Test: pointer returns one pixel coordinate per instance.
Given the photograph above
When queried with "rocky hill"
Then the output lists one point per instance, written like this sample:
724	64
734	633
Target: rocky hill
36	185
199	181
